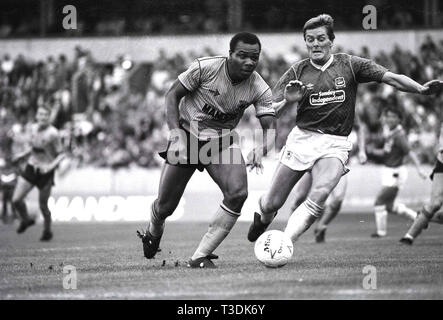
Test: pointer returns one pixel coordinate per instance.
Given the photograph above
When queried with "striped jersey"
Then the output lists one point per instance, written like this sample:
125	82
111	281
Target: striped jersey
328	105
46	145
215	102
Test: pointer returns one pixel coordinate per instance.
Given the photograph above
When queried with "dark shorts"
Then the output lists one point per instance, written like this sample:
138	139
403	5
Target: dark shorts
34	177
438	168
220	144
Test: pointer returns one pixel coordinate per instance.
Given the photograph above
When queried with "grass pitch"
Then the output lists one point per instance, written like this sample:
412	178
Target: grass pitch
110	265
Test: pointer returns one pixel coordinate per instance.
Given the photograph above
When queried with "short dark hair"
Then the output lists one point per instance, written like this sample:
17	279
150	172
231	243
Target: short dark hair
245	37
322	20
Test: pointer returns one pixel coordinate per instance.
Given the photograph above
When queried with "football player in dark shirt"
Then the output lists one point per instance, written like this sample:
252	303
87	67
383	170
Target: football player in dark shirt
323	88
396	148
430	211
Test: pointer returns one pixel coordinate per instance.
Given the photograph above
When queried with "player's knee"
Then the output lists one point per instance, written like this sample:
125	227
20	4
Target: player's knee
269	205
435	205
236	197
297	202
43	206
336	205
380	201
320	194
165	208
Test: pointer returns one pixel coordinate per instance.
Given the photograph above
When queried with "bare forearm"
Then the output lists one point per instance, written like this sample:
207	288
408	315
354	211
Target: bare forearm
403	83
268	124
281	105
172	114
57	160
21	155
414	159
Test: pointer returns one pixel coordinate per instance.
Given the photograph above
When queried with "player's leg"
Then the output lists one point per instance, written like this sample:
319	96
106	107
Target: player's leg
282	183
301	190
173	181
21	191
383	204
232	180
400	208
326	174
4	205
333	206
428	210
438	217
43	196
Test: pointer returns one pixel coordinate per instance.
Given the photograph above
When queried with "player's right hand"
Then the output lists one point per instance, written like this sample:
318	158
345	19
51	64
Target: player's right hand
422	173
432	87
177	151
362	157
294	91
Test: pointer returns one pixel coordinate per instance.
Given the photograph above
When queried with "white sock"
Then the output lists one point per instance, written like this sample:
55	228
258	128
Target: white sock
219	228
381	220
302	218
402	210
408	236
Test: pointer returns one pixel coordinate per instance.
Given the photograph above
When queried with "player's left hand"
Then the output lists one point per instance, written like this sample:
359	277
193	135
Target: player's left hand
254	160
362	157
433	87
422	173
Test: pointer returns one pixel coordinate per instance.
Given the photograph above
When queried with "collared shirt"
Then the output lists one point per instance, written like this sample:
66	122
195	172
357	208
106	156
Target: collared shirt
215	102
328	105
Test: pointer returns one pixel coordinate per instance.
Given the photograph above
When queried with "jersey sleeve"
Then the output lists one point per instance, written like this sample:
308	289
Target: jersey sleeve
190	78
366	70
263	106
279	89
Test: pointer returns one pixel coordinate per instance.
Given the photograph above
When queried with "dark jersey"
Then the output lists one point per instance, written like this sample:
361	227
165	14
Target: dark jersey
396	148
328	105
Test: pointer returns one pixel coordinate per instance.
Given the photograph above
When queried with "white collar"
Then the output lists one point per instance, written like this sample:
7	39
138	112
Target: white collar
325	66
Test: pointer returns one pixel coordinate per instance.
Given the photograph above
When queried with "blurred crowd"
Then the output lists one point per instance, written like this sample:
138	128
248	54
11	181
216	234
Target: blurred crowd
150	17
113	115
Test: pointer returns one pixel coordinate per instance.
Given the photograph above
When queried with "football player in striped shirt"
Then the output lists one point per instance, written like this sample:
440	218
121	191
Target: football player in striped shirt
323	88
203	107
44	156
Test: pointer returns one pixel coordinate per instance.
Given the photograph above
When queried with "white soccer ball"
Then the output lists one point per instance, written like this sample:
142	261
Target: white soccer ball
274	249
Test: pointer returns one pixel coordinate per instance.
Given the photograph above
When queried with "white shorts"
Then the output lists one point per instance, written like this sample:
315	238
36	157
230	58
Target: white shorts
394	177
303	148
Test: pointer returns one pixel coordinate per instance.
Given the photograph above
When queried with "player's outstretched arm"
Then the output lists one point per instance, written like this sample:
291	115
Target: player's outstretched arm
283	92
406	84
173	97
417	165
254	158
21	155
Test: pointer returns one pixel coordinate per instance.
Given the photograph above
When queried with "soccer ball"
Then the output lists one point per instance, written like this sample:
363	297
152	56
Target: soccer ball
273	248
